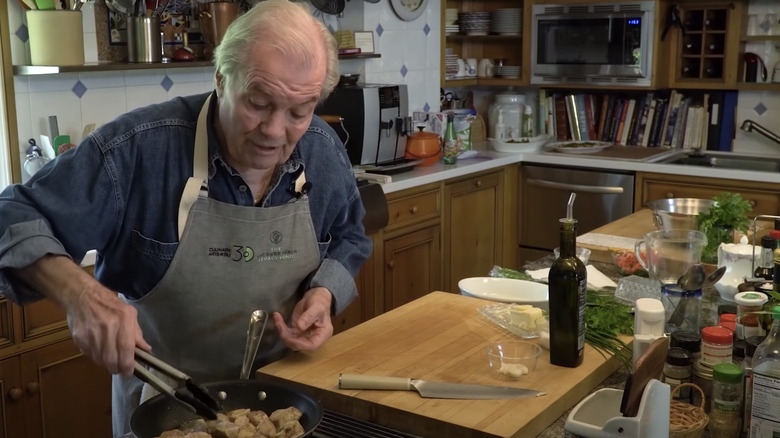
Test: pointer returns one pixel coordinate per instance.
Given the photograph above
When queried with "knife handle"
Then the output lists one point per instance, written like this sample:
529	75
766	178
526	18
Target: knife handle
362	381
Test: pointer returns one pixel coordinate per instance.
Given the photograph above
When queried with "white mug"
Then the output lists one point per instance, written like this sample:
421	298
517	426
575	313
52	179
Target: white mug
471	67
485	68
461	68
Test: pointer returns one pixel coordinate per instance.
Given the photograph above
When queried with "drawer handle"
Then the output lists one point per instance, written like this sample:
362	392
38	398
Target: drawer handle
670	195
15	394
478	183
752	203
32	388
413	209
391	264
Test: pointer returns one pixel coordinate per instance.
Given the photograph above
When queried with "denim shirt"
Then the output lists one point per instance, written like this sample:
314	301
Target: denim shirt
118	192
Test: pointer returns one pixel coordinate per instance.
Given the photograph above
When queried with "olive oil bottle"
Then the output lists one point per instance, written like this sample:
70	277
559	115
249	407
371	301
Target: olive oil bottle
567	287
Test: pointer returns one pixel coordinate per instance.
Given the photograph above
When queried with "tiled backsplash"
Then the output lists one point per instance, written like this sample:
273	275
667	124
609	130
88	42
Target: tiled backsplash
409	55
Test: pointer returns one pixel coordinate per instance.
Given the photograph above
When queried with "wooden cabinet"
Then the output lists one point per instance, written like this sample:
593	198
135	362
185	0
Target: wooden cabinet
473	227
513	49
54	391
706	56
765	198
364	306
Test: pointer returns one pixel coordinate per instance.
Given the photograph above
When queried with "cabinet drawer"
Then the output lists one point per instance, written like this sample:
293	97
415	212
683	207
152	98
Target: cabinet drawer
763	202
413	208
42	318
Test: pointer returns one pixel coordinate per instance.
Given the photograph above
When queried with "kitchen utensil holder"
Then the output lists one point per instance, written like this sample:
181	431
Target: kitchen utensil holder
56	37
144	41
686	420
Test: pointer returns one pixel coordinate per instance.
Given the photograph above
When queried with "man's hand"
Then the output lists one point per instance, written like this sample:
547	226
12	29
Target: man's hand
311	324
103	326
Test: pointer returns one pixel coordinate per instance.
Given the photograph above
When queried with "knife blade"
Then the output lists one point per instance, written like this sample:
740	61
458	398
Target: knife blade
429	389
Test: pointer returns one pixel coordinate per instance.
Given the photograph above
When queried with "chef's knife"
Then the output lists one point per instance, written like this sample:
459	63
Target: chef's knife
429	389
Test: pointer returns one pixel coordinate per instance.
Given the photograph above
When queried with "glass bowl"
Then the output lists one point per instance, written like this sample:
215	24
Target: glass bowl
582	253
512	359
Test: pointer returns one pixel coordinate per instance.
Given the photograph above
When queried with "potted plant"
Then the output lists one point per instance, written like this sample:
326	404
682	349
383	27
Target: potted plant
720	221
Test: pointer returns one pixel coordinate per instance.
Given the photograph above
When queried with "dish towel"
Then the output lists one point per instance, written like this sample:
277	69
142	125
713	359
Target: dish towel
596	279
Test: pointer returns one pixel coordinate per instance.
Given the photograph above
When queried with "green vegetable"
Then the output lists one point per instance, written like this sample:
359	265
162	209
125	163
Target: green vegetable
718	222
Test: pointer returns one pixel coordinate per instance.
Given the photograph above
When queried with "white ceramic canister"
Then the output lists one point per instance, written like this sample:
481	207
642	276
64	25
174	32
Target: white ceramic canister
740	259
508	107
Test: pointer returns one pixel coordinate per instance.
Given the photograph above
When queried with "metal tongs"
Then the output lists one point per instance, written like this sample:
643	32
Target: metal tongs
197	399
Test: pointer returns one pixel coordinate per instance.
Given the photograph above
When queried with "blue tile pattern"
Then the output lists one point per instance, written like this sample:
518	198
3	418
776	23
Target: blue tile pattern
79	89
404	70
760	109
22	33
167	83
426	29
379	29
426	107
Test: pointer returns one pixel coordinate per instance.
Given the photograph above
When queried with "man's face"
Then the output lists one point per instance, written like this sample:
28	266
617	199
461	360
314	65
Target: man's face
259	124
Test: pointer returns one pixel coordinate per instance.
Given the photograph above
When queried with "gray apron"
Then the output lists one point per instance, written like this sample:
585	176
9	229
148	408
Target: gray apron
230	261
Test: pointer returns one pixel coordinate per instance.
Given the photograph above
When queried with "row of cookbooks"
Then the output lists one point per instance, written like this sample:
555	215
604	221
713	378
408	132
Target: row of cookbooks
678	119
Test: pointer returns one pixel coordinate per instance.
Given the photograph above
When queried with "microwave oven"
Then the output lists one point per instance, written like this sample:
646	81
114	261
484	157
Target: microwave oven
593	44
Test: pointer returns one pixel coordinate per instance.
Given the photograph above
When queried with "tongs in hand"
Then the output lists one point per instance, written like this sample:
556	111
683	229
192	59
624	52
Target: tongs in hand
197	399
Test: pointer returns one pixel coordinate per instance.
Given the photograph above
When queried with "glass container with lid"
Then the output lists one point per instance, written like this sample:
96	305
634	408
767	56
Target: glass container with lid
505	115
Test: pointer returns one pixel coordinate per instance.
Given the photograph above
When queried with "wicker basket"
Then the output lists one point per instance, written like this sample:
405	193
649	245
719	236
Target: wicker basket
687	420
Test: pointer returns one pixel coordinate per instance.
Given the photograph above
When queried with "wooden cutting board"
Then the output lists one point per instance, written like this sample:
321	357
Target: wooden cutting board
441	336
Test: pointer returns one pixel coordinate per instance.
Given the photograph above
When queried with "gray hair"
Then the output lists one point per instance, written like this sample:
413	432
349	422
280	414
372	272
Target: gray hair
288	27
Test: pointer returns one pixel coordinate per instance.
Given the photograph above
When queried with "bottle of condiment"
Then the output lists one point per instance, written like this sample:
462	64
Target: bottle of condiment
747	320
528	122
765	268
678	370
450	141
726	410
567	286
764	418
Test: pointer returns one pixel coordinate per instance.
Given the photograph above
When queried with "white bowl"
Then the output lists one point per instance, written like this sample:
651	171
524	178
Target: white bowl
533	144
505	290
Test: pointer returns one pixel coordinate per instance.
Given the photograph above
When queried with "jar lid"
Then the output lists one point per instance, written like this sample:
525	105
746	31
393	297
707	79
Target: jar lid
727	372
687	339
750	298
717	334
678	356
728	317
768	242
776	312
727	308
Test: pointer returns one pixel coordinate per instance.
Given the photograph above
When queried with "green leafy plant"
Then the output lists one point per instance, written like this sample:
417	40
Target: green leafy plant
719	222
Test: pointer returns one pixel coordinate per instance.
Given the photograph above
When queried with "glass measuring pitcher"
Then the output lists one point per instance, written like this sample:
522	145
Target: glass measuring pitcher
667	254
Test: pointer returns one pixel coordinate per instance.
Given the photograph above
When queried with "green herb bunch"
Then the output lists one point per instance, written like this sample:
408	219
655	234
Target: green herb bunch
719	221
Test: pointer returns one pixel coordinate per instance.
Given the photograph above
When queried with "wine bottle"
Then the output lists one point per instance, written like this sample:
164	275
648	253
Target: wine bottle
567	290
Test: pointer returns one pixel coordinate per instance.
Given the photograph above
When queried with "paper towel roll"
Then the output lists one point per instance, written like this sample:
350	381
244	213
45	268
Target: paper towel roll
56	37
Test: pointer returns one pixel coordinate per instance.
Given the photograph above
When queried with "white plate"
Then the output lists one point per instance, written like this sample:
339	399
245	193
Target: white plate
505	290
579	147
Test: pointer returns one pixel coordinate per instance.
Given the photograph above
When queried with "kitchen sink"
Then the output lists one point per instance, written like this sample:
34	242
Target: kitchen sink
723	160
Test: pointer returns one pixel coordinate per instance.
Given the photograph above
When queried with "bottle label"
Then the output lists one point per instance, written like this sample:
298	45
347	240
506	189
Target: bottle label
583	290
764	421
726	405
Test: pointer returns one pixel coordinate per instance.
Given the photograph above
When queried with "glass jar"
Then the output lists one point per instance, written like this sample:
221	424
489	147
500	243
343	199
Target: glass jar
506	113
678	370
726	410
689	340
728	320
747	322
682	308
702	377
716	345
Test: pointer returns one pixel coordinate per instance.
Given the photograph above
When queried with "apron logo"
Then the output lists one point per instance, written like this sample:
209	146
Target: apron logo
245	253
276	237
240	253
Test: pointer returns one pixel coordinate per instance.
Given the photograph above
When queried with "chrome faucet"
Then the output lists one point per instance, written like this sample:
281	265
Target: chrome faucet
749	126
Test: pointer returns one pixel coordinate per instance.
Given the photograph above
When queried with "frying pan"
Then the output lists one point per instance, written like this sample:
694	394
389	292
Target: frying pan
161	413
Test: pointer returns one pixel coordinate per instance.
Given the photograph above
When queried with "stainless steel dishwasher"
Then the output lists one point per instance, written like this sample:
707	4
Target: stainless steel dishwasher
602	197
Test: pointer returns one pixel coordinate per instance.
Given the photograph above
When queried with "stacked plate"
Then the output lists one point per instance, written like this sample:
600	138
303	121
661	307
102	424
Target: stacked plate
508	71
450	65
474	23
507	21
450	16
451	29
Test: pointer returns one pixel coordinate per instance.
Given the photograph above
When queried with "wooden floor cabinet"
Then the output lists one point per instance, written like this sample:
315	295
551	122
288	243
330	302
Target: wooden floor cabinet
50	390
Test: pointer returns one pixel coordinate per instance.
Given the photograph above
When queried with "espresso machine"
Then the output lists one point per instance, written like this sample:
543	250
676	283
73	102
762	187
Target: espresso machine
376	120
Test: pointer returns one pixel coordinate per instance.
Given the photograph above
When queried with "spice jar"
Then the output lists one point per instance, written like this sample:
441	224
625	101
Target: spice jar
689	340
716	345
678	370
726	411
747	321
729	320
702	377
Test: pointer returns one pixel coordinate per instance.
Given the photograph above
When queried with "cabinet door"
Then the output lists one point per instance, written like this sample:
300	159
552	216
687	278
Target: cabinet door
362	309
11	407
412	266
65	394
473	228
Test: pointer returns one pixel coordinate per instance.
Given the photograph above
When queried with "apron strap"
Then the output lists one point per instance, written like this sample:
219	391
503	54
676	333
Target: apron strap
197	185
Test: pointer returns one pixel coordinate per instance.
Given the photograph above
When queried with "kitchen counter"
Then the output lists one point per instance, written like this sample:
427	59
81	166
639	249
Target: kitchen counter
440	336
488	159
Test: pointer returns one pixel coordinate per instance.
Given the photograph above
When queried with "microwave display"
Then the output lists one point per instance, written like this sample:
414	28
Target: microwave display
598	41
594	44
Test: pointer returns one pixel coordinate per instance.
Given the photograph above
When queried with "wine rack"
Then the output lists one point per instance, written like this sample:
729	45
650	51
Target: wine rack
703	46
